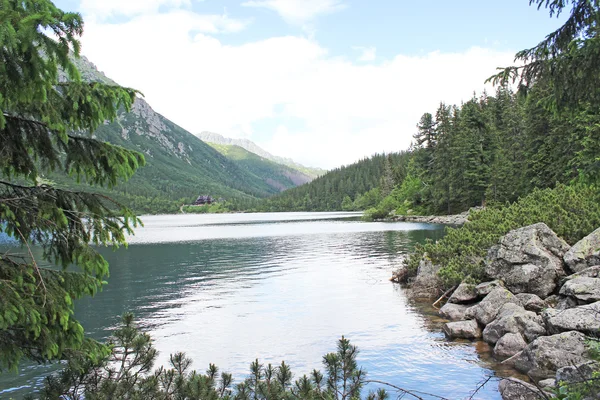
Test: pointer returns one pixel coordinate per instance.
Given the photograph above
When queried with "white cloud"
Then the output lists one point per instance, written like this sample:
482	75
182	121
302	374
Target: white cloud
367	54
298	12
347	110
106	8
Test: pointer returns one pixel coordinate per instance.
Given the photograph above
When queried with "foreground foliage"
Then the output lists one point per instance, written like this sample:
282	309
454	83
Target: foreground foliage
126	373
45	110
570	211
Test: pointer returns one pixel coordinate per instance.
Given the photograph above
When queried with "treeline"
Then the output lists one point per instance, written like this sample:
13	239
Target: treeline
353	187
490	149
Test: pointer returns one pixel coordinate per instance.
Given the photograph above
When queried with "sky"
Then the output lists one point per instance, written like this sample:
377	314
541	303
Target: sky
325	82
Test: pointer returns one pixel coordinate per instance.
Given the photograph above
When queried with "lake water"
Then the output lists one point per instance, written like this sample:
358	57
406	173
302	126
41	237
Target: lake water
228	289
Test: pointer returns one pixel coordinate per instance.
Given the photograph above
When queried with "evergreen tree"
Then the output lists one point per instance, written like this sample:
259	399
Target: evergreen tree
47	114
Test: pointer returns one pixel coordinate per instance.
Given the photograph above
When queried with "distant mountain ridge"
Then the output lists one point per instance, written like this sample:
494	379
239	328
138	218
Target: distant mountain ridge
212	137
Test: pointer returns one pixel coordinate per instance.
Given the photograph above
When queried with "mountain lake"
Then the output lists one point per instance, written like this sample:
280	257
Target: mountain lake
230	288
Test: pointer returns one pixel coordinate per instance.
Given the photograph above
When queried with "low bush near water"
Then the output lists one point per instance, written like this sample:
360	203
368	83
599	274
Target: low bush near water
571	211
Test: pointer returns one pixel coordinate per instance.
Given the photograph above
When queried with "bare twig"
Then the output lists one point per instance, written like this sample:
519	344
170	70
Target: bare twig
408	392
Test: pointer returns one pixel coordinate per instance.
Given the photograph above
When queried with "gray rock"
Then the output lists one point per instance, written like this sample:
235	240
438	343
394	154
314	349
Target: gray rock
565	302
462	330
591	272
453	312
546	354
577	373
547	383
528	260
585	253
552	301
483	289
583	318
531	302
584	289
509	345
487	310
513	318
426	284
465	293
516	389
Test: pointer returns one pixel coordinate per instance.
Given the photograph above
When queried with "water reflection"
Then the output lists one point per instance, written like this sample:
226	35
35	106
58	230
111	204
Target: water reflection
273	290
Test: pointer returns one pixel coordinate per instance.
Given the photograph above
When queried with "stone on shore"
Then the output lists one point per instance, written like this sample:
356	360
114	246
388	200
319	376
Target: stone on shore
584	318
547	383
453	312
465	293
483	289
462	330
531	302
577	373
547	354
487	310
585	253
584	289
509	345
426	284
513	318
516	389
528	260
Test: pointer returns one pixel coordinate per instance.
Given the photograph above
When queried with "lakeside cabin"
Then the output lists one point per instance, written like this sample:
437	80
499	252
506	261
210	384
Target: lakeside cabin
203	200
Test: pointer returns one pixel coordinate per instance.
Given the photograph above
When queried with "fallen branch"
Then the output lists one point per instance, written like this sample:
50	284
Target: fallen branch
434	305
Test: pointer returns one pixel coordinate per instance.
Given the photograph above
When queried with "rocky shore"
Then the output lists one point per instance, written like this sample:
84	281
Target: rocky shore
457	219
538	311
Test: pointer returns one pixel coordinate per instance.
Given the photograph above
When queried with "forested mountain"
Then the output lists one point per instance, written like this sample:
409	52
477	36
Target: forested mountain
179	166
211	137
356	186
279	176
488	149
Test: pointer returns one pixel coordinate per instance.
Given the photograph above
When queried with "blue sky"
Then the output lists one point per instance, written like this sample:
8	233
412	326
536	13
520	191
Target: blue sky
325	82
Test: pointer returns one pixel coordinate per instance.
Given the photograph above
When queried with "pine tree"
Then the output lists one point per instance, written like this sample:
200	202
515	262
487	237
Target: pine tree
47	115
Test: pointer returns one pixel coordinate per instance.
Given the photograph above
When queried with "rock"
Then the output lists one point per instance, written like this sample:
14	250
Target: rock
565	302
552	301
487	310
546	354
516	389
528	260
547	383
453	312
513	318
465	293
426	284
591	272
462	330
483	289
509	345
577	373
583	318
584	289
400	275
585	253
531	302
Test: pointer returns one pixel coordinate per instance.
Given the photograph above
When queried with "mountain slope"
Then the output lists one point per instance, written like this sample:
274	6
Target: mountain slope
276	175
179	166
252	147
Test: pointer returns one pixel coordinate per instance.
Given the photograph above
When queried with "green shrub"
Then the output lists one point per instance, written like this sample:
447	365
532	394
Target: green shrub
570	211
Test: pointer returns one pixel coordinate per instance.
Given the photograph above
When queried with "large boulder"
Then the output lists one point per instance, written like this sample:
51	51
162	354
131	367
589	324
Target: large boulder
453	312
487	310
528	260
584	289
531	302
509	345
426	284
513	318
585	253
546	354
516	389
462	330
583	318
465	293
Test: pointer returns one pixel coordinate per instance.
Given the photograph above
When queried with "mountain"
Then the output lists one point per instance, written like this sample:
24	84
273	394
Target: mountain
211	137
276	175
352	187
179	166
